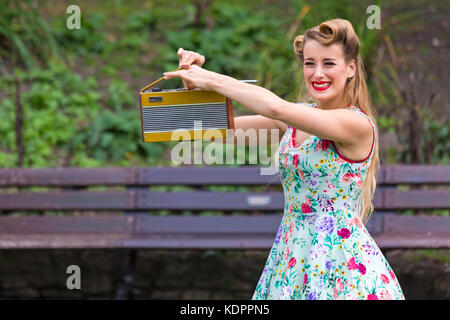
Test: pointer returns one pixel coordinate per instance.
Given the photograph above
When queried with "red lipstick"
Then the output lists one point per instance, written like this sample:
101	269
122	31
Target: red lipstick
321	85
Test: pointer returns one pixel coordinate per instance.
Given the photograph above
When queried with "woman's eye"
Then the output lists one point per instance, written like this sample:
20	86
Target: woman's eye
308	63
330	63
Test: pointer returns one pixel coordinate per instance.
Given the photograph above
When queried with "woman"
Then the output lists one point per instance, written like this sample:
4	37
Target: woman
328	161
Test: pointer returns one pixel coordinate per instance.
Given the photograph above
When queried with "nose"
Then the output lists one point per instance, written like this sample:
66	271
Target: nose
318	72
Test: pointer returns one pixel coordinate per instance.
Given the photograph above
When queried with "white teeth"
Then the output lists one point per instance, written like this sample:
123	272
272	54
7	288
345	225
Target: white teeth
321	85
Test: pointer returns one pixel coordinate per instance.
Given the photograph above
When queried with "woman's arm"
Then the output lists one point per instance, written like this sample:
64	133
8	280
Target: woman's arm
338	125
245	126
255	129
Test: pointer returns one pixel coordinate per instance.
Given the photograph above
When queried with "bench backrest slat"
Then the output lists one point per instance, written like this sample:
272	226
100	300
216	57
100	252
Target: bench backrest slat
418	199
201	200
67	177
416	174
69	200
248	175
205	176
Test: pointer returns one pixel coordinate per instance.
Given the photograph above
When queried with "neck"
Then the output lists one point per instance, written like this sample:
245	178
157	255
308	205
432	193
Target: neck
331	107
325	105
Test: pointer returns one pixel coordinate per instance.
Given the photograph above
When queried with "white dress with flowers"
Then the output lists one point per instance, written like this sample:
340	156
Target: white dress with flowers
322	250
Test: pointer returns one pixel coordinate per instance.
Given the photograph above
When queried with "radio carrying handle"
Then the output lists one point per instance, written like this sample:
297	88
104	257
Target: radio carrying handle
155	82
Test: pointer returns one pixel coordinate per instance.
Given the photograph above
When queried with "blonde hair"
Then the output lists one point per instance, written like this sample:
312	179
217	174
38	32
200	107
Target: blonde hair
341	31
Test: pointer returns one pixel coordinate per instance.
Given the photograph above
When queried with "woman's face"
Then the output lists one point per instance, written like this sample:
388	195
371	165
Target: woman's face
326	73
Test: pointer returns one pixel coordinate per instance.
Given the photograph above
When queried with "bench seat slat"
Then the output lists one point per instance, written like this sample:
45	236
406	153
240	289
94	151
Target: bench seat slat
416	224
252	232
202	243
84	241
26	225
68	241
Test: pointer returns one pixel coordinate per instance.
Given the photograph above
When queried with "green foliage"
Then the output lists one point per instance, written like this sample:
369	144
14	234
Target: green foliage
120	95
57	104
243	44
436	141
386	124
25	37
89	39
108	137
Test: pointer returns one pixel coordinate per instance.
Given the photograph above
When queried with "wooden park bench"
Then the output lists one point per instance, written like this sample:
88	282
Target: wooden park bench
126	206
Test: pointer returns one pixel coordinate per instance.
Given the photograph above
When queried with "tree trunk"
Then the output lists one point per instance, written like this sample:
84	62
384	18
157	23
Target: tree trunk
19	125
414	134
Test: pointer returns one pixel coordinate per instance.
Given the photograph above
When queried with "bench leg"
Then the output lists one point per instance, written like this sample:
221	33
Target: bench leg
124	282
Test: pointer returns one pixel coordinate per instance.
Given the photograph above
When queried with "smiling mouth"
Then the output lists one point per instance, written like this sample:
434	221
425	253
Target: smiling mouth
321	85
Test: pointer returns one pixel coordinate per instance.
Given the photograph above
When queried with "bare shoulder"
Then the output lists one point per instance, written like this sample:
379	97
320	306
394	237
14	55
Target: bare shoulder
362	137
362	117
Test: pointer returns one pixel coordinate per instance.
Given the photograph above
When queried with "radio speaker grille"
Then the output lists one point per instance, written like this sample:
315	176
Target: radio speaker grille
171	118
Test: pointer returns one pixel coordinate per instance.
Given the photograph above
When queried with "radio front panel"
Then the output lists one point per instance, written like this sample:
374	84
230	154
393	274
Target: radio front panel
179	114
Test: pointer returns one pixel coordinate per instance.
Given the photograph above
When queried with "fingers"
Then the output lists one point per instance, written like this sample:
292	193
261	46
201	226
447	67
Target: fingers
186	84
173	74
170	75
187	80
188	58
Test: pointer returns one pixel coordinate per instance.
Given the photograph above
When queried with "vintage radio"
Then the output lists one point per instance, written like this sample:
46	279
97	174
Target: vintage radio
180	114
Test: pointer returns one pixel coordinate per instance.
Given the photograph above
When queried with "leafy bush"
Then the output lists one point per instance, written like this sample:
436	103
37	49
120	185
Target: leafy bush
57	104
89	39
25	37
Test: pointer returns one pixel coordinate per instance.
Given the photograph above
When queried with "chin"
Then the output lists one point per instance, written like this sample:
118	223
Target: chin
321	98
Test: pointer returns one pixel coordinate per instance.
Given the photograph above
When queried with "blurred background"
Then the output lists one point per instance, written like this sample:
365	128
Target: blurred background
68	98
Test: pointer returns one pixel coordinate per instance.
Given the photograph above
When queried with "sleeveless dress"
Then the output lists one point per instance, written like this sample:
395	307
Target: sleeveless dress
322	250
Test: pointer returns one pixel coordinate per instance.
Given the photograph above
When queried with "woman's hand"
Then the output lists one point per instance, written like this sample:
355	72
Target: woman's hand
188	58
195	76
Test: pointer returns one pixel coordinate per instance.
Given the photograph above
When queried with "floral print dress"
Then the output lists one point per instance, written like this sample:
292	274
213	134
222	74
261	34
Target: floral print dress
322	250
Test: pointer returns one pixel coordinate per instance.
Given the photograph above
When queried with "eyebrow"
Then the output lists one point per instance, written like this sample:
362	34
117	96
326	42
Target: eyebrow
312	59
